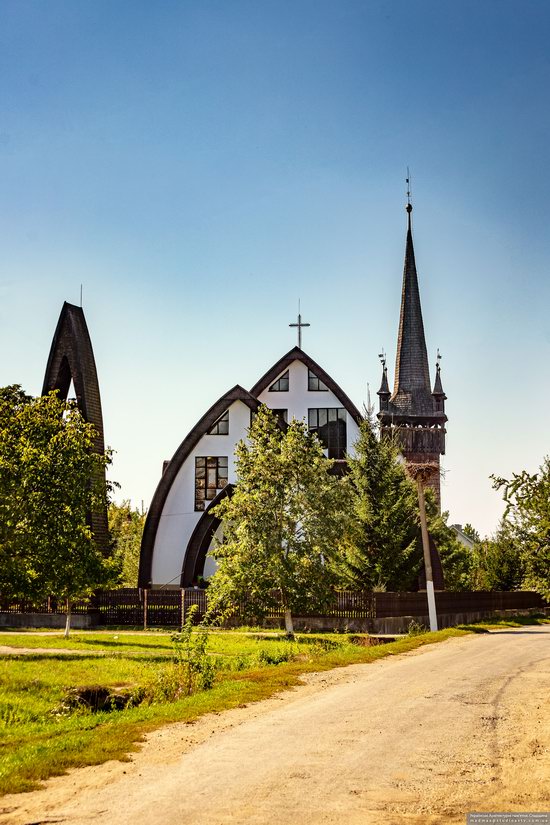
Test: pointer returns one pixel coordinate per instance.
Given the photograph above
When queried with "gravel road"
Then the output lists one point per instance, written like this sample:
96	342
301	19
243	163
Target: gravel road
418	738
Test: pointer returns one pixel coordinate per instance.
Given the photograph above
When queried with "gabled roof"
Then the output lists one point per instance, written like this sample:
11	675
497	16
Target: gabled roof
297	354
237	393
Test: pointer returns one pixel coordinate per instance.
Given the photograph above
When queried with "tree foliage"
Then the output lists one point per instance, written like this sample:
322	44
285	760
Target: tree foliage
126	530
281	526
498	561
457	560
50	479
381	551
527	498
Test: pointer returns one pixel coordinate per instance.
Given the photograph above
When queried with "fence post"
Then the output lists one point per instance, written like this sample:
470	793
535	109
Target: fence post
145	609
182	622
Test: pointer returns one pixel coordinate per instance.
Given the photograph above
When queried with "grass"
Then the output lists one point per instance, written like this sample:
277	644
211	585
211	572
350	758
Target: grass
37	741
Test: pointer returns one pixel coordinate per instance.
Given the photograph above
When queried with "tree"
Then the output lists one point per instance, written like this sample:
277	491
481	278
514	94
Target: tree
498	561
281	526
527	498
381	551
50	479
126	529
457	561
471	532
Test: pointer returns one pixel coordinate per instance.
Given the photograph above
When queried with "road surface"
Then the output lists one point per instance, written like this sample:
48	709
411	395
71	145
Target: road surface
418	738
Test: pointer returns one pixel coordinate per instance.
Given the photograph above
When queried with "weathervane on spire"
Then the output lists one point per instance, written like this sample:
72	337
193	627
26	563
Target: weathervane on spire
299	325
382	356
409	204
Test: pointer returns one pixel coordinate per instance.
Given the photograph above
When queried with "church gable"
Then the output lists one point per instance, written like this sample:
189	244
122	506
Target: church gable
180	522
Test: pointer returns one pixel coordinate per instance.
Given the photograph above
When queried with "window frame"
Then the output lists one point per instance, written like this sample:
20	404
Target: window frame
285	377
334	450
204	490
312	379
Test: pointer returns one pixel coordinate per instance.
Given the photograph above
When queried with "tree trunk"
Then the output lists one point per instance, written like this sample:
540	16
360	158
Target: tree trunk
68	618
289	627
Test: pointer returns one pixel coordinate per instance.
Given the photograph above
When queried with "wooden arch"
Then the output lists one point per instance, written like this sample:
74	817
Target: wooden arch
72	357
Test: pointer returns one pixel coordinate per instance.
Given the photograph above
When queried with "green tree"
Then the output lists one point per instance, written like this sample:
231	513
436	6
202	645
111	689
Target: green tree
527	498
50	479
457	561
126	529
281	526
499	563
381	551
471	532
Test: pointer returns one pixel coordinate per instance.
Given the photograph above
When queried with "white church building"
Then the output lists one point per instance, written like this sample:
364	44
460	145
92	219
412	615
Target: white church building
180	526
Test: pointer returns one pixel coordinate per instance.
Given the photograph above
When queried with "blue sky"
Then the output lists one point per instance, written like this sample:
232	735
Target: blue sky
201	166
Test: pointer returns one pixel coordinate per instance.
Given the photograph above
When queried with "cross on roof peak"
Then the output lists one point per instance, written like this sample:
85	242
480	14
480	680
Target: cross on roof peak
300	325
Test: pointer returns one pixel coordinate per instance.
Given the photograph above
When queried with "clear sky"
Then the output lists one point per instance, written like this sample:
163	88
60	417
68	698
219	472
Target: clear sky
201	166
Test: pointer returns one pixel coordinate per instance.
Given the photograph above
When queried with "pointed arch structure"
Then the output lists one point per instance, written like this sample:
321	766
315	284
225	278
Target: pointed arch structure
72	358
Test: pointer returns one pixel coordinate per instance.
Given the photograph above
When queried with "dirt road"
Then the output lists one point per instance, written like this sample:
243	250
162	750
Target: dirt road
419	738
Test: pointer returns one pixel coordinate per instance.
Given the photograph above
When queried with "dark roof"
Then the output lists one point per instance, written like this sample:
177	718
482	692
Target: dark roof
297	354
438	386
237	393
384	386
412	395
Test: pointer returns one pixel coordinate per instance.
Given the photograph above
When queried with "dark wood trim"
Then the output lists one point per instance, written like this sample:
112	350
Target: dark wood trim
201	537
237	393
72	356
297	354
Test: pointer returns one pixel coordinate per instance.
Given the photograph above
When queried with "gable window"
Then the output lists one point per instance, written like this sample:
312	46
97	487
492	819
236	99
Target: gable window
330	426
221	427
314	383
281	384
210	478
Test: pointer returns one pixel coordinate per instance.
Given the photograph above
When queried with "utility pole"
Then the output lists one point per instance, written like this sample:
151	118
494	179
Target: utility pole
421	473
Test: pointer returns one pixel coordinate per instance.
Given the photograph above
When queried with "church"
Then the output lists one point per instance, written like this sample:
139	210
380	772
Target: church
180	526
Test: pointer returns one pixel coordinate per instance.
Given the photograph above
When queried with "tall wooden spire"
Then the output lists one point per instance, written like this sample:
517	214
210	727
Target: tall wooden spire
414	415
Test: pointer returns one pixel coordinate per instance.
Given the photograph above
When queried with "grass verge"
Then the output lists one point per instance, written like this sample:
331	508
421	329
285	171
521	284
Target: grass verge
38	741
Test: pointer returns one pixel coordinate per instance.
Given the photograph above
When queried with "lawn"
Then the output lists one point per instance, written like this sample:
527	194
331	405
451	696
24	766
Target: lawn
41	737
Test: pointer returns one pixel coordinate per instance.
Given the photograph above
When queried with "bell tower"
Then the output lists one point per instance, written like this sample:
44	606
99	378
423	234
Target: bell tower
414	414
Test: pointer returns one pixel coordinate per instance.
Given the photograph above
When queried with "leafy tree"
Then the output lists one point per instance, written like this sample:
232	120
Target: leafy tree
527	498
50	479
126	529
282	524
499	563
381	551
457	561
471	532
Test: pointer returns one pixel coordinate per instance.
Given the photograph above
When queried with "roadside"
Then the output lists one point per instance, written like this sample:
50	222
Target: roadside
417	738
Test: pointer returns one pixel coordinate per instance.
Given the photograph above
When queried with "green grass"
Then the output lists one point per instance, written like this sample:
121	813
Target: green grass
36	741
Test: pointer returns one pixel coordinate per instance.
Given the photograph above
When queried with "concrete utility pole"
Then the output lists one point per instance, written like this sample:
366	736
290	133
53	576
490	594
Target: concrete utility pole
426	548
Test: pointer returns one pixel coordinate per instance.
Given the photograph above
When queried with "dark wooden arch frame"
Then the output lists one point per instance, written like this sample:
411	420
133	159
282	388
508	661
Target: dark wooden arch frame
72	357
237	393
201	538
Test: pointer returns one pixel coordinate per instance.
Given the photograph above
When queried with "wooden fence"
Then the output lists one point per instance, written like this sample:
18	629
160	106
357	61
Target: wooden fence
168	608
